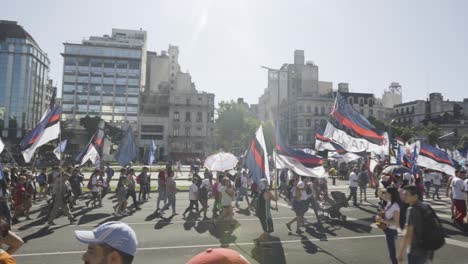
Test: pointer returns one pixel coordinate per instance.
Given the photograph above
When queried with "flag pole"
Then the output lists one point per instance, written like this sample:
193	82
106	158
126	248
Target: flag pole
11	156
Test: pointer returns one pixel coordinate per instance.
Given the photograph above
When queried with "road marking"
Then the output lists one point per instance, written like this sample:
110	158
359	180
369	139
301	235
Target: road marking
209	245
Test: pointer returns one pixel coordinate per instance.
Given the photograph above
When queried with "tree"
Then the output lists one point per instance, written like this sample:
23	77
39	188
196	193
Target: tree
432	133
377	123
90	124
234	127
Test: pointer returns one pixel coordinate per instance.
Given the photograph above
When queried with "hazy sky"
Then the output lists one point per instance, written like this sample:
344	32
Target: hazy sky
423	44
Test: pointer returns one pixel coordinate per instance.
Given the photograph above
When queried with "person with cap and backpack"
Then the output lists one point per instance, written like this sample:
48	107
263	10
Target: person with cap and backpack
424	231
111	242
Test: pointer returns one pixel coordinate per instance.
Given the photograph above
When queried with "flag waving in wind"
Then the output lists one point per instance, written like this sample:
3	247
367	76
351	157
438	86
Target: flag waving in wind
128	149
93	149
60	149
300	162
152	153
48	129
256	158
353	131
436	159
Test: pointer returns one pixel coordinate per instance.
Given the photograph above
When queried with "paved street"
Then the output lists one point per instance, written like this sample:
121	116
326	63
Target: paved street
176	240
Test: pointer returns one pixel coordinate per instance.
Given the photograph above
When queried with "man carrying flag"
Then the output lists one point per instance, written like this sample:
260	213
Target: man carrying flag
93	149
256	159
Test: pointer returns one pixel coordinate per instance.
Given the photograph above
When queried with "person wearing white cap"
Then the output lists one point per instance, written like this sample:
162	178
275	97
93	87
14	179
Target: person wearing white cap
112	242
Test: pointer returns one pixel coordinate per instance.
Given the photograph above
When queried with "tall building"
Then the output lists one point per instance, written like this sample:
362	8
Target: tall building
172	112
103	76
301	102
24	69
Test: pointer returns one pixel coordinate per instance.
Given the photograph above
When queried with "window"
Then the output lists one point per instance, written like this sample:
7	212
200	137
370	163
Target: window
187	117
176	116
175	132
361	102
308	123
152	128
316	110
187	101
187	131
199	117
322	110
350	100
309	110
371	112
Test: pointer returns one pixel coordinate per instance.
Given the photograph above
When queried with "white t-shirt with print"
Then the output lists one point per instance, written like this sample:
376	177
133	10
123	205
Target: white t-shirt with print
458	188
427	177
436	177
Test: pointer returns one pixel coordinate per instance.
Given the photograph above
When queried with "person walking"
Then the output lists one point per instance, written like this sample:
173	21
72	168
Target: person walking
19	194
203	194
353	185
5	211
121	207
193	197
311	195
390	218
93	186
264	210
436	181
242	191
62	191
458	189
300	206
162	187
227	197
427	178
131	183
42	181
414	229
143	181
363	180
29	192
171	191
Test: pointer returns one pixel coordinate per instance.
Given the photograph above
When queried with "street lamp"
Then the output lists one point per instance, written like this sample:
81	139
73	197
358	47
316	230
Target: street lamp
446	135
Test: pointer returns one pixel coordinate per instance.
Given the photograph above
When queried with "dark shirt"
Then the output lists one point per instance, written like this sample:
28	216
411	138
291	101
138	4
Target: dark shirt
414	218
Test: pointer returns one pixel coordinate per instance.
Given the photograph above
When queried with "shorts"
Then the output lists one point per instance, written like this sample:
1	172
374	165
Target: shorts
300	207
267	224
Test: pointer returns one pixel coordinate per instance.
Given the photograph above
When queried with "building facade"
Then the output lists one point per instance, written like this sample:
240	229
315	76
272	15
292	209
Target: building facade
103	76
173	113
24	69
301	102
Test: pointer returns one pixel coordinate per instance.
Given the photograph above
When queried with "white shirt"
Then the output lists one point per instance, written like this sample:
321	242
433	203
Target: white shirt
389	211
193	192
457	189
427	177
436	177
353	180
466	185
94	182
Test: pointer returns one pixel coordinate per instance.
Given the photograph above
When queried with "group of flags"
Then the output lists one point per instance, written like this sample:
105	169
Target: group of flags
348	136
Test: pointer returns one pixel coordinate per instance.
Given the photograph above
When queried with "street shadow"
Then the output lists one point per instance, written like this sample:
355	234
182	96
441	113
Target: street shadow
111	218
362	208
452	232
268	252
44	231
355	227
190	220
204	225
223	231
245	212
39	221
163	222
92	217
152	216
314	232
312	248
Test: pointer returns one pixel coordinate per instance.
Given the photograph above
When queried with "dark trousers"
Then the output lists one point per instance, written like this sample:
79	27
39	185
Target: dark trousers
391	236
436	192
5	211
133	195
193	205
353	193
313	203
428	188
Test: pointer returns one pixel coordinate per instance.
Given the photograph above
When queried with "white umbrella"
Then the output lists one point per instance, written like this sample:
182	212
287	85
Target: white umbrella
221	161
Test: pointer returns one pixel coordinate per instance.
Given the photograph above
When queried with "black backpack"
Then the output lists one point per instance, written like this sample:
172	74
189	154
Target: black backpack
432	235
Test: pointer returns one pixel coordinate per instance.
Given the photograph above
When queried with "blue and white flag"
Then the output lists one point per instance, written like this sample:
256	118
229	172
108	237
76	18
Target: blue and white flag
128	149
47	130
60	149
1	172
152	153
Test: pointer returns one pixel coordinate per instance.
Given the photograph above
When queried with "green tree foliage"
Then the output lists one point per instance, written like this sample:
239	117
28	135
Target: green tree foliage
234	127
432	133
377	123
90	124
463	142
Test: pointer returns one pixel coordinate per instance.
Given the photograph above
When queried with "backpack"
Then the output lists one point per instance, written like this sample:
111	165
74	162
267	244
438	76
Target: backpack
432	235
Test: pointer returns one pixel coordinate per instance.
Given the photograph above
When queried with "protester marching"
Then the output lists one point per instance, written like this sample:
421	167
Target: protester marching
353	149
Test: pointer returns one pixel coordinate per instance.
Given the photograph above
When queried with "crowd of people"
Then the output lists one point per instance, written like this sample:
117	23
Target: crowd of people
399	194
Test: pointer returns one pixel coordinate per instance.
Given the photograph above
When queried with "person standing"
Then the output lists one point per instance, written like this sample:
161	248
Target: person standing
264	210
62	190
436	181
203	195
19	194
143	181
390	216
414	229
109	174
353	185
227	197
363	180
131	183
193	197
171	191
458	189
29	188
121	207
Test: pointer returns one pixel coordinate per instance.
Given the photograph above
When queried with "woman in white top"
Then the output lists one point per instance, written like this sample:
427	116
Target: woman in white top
227	197
391	218
300	206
